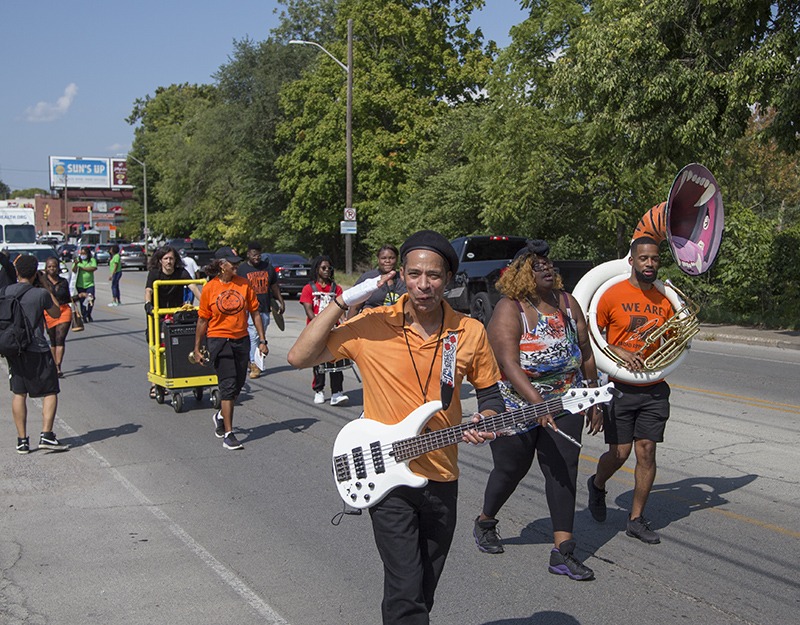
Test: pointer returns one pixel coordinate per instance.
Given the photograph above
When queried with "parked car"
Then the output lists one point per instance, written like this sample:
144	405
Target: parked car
66	251
294	272
47	240
42	253
482	259
102	252
132	257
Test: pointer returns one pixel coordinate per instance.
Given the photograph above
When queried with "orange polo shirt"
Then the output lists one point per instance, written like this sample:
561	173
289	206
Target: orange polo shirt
226	307
374	340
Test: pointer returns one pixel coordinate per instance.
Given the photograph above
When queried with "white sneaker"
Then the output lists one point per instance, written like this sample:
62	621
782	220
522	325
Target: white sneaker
319	398
339	398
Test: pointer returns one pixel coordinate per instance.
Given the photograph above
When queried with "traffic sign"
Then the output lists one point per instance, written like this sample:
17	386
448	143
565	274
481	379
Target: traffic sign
349	214
347	227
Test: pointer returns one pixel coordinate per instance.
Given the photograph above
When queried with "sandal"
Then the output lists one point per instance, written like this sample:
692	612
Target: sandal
153	392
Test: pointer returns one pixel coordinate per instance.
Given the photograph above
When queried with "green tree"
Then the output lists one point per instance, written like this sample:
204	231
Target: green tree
163	141
413	62
33	191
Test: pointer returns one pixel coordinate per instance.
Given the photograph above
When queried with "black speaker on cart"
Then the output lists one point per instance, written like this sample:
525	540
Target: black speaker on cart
178	344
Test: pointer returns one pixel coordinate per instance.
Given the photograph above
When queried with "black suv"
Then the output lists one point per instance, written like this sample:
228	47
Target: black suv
294	271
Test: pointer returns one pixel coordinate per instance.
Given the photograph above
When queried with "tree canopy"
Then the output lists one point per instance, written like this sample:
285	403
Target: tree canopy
570	133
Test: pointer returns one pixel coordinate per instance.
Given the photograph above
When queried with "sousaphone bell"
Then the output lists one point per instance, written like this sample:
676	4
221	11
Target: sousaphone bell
691	220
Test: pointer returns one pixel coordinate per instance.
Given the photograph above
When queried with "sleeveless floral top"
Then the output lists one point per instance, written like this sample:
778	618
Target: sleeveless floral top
551	356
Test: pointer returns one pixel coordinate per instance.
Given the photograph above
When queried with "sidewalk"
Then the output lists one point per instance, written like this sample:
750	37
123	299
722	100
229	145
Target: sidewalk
784	339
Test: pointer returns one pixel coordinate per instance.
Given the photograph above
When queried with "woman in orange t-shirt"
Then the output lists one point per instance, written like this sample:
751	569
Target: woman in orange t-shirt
225	302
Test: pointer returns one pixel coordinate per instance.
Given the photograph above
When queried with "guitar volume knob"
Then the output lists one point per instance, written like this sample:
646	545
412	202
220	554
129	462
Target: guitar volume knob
371	486
358	485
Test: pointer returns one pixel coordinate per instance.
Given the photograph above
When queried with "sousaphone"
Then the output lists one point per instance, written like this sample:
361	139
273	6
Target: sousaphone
691	220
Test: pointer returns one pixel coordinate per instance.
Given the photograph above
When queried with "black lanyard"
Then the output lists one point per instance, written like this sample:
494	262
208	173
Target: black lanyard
435	353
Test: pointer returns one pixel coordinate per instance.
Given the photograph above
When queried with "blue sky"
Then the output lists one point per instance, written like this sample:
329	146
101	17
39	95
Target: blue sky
72	70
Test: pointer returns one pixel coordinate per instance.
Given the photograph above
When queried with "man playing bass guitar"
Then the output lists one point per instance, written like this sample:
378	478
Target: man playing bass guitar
400	351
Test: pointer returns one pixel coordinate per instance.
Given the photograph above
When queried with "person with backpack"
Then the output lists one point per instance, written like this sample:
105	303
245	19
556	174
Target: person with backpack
315	298
32	370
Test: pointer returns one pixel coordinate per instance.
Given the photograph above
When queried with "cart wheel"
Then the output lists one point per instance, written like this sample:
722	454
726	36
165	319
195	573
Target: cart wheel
198	393
177	402
215	400
159	394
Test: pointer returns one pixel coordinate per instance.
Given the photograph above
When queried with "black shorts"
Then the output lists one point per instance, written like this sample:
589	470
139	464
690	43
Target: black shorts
641	413
34	374
231	358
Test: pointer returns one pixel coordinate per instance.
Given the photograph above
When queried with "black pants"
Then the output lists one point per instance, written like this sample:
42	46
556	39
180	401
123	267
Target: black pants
413	529
558	460
231	358
337	380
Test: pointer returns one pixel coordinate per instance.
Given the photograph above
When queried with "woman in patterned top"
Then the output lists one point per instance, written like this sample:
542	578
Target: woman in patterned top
540	338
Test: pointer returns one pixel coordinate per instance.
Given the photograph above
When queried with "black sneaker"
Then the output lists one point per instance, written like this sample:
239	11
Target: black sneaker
48	440
597	501
219	424
640	528
230	442
486	536
563	562
23	446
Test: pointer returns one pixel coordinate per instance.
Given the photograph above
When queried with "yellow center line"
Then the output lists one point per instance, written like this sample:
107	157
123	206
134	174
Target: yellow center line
750	401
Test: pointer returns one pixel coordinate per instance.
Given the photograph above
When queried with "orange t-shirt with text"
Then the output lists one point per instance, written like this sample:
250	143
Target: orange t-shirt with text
226	305
630	315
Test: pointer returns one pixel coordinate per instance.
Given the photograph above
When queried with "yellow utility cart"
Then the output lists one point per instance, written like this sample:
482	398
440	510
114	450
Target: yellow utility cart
170	341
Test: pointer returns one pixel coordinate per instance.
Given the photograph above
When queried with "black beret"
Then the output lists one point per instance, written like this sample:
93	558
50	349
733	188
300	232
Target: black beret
433	241
534	247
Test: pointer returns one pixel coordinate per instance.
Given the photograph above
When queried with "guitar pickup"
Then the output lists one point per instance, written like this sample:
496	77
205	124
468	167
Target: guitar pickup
377	457
341	468
358	463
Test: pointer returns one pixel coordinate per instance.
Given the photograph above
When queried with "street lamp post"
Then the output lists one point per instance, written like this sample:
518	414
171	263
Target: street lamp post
144	188
348	243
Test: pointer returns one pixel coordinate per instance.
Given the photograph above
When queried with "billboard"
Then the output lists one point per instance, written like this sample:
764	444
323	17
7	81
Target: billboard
119	173
76	172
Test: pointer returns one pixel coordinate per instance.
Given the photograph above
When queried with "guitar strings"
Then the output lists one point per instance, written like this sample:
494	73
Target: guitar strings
398	451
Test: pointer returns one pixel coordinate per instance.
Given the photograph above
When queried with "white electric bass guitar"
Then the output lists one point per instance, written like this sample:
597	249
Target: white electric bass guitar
371	458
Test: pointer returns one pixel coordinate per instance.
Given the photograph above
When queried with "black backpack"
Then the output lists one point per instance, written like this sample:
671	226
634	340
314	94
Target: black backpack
16	334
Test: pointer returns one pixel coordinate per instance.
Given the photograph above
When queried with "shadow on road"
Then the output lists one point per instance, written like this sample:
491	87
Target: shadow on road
667	504
84	369
262	431
692	494
548	617
101	434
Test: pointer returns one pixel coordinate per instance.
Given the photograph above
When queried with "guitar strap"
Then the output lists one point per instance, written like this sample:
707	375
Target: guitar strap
448	381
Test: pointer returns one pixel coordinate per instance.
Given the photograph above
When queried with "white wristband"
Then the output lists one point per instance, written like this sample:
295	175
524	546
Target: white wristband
360	292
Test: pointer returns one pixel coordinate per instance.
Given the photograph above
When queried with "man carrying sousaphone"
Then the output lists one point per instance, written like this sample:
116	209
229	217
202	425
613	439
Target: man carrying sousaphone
630	311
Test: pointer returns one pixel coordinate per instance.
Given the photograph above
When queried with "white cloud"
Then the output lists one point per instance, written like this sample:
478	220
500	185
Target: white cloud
47	112
115	149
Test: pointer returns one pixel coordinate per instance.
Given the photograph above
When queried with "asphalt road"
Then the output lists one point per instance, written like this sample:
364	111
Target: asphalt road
147	519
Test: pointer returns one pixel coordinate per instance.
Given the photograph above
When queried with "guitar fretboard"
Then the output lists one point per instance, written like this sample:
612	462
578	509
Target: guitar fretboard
423	443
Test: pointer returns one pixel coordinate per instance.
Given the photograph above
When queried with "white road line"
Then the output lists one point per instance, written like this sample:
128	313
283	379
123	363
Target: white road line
259	605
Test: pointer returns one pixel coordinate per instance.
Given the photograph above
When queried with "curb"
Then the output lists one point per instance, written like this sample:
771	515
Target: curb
725	337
